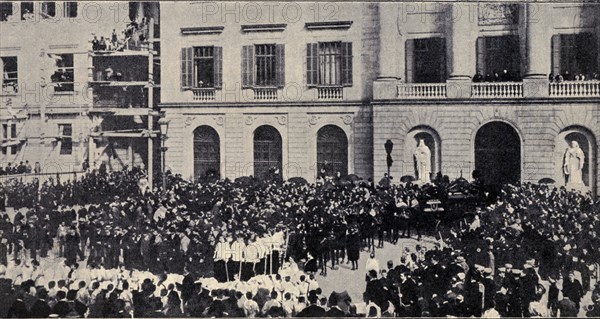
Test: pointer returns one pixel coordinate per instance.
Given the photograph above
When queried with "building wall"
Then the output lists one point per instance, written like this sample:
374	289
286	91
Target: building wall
36	109
298	114
538	123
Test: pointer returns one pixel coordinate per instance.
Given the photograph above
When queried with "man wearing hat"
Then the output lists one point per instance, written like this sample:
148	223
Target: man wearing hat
572	289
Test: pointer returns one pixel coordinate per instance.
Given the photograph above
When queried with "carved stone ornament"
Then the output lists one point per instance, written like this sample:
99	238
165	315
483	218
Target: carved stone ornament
347	119
219	120
249	120
281	119
189	120
313	120
498	13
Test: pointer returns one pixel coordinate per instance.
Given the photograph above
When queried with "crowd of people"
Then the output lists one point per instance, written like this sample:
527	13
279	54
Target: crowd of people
22	168
134	34
568	76
254	248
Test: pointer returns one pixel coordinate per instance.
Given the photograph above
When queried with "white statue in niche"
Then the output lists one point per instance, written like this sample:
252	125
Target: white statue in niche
573	164
423	159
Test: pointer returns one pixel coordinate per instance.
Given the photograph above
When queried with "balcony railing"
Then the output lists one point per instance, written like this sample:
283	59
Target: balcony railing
575	89
330	93
497	90
265	94
204	95
422	90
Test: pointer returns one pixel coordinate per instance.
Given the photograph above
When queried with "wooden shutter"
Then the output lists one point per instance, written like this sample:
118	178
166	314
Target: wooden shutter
347	63
218	66
247	66
556	54
481	67
280	65
312	64
187	68
410	61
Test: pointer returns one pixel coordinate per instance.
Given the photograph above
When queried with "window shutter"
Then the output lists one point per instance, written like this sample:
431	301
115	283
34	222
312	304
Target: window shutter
280	65
481	67
312	64
410	61
218	66
556	54
247	66
187	68
347	63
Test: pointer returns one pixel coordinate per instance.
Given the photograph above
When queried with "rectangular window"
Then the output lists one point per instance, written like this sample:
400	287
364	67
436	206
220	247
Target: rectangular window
9	134
204	67
10	80
48	9
329	64
578	56
498	58
64	76
429	60
27	11
6	10
66	134
265	64
70	9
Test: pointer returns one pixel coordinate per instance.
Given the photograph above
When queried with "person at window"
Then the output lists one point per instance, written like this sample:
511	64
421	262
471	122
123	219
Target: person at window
488	78
496	77
102	44
95	43
27	167
478	77
567	76
109	73
114	40
551	77
506	76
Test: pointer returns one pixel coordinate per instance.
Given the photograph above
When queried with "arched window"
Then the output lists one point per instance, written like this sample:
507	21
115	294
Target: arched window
498	153
267	152
207	153
332	151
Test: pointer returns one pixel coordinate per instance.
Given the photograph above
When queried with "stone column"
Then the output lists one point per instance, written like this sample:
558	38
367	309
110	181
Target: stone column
389	42
460	25
538	46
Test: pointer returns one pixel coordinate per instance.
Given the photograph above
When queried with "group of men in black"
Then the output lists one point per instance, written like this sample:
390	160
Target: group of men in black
22	168
179	230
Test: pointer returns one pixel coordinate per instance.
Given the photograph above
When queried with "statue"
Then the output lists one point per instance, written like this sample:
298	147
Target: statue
423	159
573	166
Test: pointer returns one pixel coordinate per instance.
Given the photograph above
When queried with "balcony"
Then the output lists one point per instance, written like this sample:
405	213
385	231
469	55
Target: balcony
497	90
265	94
422	91
575	89
330	93
204	95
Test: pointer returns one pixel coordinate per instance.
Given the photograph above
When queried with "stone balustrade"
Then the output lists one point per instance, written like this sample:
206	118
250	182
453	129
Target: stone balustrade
204	95
497	90
575	89
265	94
330	93
422	91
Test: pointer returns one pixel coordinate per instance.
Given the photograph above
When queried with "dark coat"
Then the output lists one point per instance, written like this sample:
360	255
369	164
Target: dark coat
312	311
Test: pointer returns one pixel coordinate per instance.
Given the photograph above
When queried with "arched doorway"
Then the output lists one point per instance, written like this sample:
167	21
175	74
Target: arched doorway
207	153
332	148
267	152
498	153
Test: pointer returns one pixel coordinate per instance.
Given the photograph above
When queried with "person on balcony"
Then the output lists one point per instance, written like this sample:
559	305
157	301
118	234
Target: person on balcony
478	77
102	44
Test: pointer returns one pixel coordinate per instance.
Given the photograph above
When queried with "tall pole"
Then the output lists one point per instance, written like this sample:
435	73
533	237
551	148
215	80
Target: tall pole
150	103
163	166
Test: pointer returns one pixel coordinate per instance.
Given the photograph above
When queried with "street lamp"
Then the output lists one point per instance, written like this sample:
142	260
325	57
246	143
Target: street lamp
164	127
389	145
